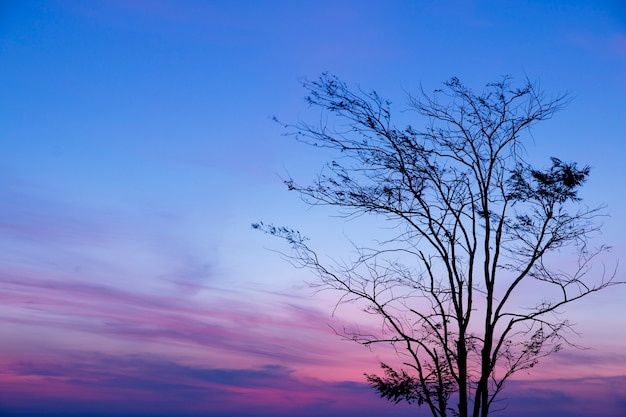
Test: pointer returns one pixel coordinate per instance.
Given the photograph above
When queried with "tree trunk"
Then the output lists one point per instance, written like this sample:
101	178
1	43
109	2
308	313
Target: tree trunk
462	364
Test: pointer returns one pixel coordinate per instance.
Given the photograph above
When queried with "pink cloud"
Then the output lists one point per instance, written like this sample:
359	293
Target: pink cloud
59	315
149	384
576	397
86	345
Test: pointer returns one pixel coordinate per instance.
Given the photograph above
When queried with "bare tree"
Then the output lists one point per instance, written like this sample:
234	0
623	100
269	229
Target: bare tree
475	224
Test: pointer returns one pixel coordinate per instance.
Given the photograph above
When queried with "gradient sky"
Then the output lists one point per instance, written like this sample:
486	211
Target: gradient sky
137	147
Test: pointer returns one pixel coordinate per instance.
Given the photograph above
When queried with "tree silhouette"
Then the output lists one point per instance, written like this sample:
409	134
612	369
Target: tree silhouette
476	223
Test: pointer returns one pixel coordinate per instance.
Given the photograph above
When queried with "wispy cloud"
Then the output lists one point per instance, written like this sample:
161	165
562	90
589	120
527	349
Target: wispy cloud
178	343
215	324
157	384
575	397
146	383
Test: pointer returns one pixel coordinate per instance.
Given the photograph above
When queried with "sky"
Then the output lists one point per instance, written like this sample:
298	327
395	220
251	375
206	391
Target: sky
137	147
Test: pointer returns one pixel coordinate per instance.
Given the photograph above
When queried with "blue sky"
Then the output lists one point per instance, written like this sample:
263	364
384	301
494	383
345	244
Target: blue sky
138	146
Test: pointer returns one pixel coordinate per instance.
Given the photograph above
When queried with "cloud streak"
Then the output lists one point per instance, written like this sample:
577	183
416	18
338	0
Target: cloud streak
180	344
228	327
145	383
127	384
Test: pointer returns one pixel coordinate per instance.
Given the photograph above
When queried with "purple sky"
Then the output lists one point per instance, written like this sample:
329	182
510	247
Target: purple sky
137	147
